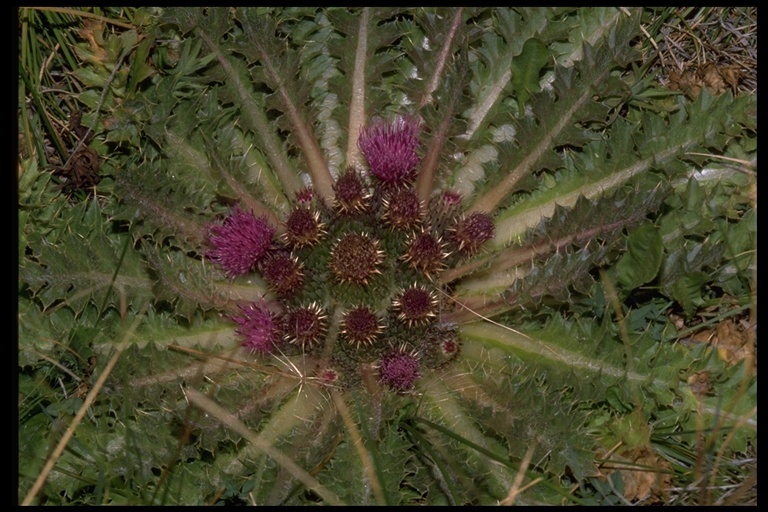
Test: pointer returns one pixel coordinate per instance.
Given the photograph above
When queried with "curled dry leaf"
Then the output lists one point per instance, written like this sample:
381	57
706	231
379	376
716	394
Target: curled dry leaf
716	78
701	383
645	474
733	342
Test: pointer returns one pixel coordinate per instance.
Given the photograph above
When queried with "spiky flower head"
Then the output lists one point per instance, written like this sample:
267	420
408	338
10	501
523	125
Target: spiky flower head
355	258
444	209
360	326
259	327
449	347
240	242
390	148
445	339
425	252
399	369
449	198
473	231
402	208
283	273
328	376
303	227
305	326
416	305
304	195
351	193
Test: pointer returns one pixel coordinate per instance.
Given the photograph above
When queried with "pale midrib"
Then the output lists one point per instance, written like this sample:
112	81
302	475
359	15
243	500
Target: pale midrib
483	331
270	185
592	39
357	102
448	412
512	227
441	60
283	169
162	215
498	335
485	106
197	159
489	201
302	407
104	278
490	99
313	155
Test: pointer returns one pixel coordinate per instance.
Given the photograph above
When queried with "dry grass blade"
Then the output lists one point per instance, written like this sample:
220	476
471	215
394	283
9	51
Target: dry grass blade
86	14
357	440
238	426
693	45
81	412
516	488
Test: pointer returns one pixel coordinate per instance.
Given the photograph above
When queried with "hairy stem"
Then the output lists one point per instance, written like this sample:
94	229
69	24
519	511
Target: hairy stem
357	101
256	119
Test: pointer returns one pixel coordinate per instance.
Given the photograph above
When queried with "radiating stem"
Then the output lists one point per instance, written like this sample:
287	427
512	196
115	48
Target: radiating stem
357	101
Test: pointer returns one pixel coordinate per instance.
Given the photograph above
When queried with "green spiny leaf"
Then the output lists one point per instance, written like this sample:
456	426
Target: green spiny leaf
526	68
641	264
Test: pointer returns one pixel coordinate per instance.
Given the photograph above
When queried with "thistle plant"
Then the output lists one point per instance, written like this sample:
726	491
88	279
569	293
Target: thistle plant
387	256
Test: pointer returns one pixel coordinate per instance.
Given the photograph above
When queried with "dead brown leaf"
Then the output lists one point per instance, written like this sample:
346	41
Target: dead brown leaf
687	82
645	474
93	32
701	384
734	342
717	79
82	169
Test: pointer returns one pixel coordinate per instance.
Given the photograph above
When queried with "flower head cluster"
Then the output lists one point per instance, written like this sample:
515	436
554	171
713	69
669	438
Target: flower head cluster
354	281
351	193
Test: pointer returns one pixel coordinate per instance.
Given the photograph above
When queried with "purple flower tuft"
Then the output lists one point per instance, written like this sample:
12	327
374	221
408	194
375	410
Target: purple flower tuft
305	195
425	252
240	242
390	148
399	370
259	327
303	227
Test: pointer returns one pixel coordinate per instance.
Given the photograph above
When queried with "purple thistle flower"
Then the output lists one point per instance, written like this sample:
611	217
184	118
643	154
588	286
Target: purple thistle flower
303	227
283	273
399	369
425	252
390	148
473	231
305	195
259	327
305	326
402	208
361	325
240	242
416	305
351	193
